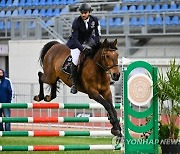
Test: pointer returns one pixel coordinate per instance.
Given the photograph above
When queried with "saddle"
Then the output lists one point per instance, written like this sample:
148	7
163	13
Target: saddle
67	63
66	67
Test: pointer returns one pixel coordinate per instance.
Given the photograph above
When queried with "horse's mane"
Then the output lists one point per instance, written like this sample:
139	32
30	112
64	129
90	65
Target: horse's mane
100	45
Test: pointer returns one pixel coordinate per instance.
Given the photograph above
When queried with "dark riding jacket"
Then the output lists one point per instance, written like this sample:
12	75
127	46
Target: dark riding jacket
80	34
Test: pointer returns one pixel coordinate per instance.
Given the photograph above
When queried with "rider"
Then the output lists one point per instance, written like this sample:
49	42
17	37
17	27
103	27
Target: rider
82	33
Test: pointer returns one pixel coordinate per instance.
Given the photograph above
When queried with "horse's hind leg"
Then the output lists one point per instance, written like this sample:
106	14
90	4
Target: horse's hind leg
50	97
41	91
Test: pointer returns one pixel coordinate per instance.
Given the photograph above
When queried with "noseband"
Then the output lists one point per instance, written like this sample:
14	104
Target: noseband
107	68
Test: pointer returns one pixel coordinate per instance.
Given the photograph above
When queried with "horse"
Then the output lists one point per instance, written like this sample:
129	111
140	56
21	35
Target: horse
94	75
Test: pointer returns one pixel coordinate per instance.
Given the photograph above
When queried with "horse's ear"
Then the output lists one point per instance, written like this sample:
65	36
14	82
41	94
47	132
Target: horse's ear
115	42
105	41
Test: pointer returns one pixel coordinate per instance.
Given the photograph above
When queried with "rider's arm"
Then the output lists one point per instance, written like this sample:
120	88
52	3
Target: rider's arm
74	35
97	31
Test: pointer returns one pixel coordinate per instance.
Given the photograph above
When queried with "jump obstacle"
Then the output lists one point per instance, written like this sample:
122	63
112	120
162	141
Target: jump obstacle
55	133
130	95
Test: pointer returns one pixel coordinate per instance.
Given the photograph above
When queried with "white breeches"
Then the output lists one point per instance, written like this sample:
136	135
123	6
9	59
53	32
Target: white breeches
75	55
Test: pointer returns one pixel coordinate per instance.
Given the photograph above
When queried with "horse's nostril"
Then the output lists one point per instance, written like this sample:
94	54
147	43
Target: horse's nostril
116	76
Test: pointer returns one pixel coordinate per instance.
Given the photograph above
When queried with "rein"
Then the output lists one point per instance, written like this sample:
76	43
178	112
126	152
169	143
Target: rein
106	68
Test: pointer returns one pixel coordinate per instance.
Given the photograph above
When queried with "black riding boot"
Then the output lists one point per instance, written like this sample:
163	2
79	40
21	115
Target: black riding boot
74	78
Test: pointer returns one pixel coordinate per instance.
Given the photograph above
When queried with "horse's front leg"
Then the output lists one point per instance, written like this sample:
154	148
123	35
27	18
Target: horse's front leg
108	97
94	94
41	91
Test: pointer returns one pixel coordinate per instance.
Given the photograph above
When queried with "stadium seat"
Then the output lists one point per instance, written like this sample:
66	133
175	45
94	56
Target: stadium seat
175	21
28	3
17	25
9	3
35	3
141	21
118	22
55	2
15	3
3	3
49	23
173	7
49	2
21	12
102	22
132	9
8	13
63	2
42	2
15	13
31	25
35	12
133	21
148	8
56	12
150	21
158	21
116	9
2	13
140	9
21	3
156	8
7	25
164	8
111	22
42	12
124	9
69	2
49	12
1	25
167	20
28	12
64	10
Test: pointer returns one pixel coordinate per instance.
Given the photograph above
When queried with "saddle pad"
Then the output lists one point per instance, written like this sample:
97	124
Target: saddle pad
66	67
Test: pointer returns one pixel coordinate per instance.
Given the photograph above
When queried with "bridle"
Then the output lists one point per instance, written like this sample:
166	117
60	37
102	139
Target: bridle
106	68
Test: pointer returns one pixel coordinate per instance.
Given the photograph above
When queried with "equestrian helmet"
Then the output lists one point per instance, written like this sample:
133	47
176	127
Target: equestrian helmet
85	7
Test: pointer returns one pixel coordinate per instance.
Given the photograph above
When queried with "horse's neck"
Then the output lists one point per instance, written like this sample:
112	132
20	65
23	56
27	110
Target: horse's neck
97	57
98	62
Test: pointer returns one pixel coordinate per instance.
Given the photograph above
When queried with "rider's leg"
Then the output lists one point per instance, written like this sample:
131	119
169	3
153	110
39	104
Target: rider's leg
75	57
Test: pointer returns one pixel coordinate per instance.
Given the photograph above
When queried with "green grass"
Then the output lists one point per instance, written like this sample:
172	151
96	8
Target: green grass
57	141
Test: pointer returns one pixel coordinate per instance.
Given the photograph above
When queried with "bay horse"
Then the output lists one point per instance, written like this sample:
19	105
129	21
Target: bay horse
93	78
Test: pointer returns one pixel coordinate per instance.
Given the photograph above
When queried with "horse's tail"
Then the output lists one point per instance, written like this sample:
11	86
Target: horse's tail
44	50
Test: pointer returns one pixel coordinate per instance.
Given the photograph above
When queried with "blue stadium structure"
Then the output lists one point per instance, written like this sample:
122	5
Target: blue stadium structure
134	22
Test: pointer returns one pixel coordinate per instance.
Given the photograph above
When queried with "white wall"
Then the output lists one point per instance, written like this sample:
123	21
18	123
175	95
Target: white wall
23	60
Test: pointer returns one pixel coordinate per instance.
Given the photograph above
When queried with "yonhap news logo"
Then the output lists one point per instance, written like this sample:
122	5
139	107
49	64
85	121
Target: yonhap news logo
152	141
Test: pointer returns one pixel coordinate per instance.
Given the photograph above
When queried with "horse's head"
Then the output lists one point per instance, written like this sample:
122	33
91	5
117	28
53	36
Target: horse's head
109	58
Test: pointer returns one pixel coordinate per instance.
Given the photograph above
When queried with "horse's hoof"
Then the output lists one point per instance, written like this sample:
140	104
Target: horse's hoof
37	98
73	89
117	140
115	132
47	98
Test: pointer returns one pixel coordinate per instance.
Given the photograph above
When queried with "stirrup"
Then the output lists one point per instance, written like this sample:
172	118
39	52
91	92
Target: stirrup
73	89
